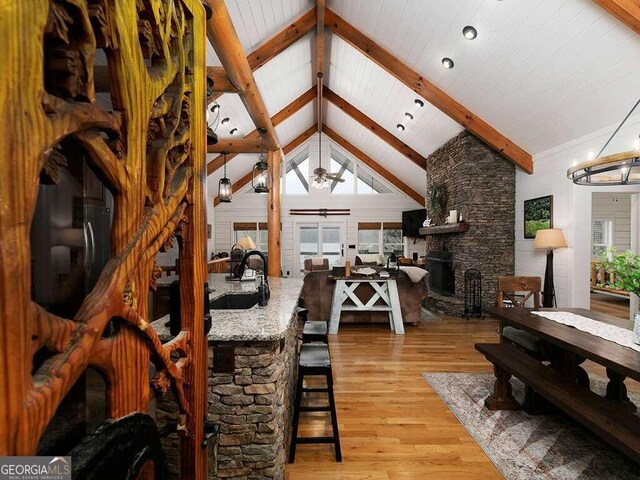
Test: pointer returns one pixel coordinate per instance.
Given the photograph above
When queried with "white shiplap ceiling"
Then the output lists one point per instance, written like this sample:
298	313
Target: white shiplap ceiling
542	72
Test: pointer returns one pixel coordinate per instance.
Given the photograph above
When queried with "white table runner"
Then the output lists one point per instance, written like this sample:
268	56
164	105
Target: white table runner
615	334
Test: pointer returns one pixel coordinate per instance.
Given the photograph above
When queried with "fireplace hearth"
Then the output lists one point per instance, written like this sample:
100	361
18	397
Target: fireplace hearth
441	274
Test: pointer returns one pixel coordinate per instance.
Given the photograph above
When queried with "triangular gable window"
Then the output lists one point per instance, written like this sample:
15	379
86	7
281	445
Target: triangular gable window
295	178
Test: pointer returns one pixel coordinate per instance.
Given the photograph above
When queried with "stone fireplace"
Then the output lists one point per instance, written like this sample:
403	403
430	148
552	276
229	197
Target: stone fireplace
480	183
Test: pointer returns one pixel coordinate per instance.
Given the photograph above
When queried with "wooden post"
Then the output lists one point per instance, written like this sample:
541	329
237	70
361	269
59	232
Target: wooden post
274	159
226	43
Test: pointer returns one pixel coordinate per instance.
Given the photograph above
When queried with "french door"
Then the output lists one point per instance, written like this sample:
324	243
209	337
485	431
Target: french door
319	240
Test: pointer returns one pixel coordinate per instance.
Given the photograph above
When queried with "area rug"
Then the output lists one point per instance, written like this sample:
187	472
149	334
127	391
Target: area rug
526	447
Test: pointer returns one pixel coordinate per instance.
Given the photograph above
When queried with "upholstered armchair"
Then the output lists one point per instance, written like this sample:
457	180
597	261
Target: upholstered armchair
315	264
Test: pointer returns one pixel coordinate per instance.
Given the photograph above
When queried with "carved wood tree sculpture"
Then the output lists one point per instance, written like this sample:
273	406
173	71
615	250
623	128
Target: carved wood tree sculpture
149	151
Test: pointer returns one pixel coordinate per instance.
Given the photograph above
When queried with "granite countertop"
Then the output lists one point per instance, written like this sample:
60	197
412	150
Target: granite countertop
257	323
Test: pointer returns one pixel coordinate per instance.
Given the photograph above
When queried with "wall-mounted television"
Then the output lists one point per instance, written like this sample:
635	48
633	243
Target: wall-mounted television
412	221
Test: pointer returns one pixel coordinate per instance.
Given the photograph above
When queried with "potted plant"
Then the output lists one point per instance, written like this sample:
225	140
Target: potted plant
626	269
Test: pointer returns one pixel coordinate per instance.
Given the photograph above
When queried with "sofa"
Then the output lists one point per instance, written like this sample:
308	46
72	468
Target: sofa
317	294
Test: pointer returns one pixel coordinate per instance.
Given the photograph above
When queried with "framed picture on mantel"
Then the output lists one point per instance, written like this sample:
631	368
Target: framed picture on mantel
538	215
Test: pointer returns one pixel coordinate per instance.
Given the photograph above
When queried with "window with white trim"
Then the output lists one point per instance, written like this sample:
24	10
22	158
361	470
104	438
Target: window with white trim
295	178
344	169
357	178
601	236
256	230
377	237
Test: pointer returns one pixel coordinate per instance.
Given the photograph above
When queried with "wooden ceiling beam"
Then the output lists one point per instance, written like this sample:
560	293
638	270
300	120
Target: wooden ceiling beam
320	9
627	11
278	43
294	106
282	40
375	128
373	165
431	93
237	145
278	118
225	41
299	140
292	145
221	82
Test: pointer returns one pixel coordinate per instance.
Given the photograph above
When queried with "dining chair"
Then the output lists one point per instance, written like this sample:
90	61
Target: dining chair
515	292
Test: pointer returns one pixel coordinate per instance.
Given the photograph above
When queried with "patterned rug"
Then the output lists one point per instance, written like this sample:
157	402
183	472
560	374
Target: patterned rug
526	447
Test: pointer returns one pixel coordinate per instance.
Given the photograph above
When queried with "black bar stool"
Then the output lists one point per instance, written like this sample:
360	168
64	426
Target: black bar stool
314	360
313	330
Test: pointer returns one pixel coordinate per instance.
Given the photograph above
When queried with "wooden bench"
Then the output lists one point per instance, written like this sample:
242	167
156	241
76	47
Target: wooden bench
612	423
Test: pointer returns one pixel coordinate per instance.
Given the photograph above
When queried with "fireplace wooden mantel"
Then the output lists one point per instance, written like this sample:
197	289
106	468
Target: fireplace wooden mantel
445	229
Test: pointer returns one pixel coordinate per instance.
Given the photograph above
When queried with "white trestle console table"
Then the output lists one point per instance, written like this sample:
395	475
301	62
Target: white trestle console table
384	299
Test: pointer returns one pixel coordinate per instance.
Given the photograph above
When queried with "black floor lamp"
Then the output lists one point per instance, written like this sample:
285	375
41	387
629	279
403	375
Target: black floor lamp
550	239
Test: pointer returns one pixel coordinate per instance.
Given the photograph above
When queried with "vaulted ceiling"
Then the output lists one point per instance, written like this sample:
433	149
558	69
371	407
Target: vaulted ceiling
540	72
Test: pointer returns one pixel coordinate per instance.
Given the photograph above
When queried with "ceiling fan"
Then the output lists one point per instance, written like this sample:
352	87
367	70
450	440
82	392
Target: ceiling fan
320	175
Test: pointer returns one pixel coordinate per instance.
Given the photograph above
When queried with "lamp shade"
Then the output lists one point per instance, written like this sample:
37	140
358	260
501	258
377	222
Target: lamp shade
247	243
550	238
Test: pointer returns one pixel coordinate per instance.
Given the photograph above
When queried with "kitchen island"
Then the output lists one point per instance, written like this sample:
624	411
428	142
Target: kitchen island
252	368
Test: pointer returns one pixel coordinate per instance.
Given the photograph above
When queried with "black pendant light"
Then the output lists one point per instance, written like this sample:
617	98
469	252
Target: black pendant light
212	137
224	185
259	177
260	171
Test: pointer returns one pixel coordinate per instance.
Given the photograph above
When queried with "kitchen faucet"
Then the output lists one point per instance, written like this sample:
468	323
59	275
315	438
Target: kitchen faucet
243	265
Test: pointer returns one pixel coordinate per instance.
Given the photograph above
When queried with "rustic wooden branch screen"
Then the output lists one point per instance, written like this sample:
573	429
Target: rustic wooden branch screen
149	151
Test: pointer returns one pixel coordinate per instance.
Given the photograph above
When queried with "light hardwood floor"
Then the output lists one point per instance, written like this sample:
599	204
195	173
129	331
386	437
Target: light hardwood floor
393	426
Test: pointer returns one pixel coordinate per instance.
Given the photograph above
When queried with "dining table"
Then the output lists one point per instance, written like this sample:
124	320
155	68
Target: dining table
566	347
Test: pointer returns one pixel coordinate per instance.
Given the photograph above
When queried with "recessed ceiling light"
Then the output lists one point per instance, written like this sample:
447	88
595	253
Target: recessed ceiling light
225	120
408	115
400	127
419	102
233	130
469	32
215	108
447	63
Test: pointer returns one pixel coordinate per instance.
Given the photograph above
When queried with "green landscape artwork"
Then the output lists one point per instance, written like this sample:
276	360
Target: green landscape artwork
538	215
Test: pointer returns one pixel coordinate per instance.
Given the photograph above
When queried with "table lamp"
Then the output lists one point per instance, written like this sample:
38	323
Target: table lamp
549	238
247	243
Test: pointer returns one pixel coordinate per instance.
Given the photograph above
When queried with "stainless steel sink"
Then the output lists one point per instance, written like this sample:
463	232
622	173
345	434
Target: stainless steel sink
234	301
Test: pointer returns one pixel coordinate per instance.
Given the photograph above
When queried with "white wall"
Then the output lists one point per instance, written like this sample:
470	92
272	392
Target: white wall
571	210
250	207
615	207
